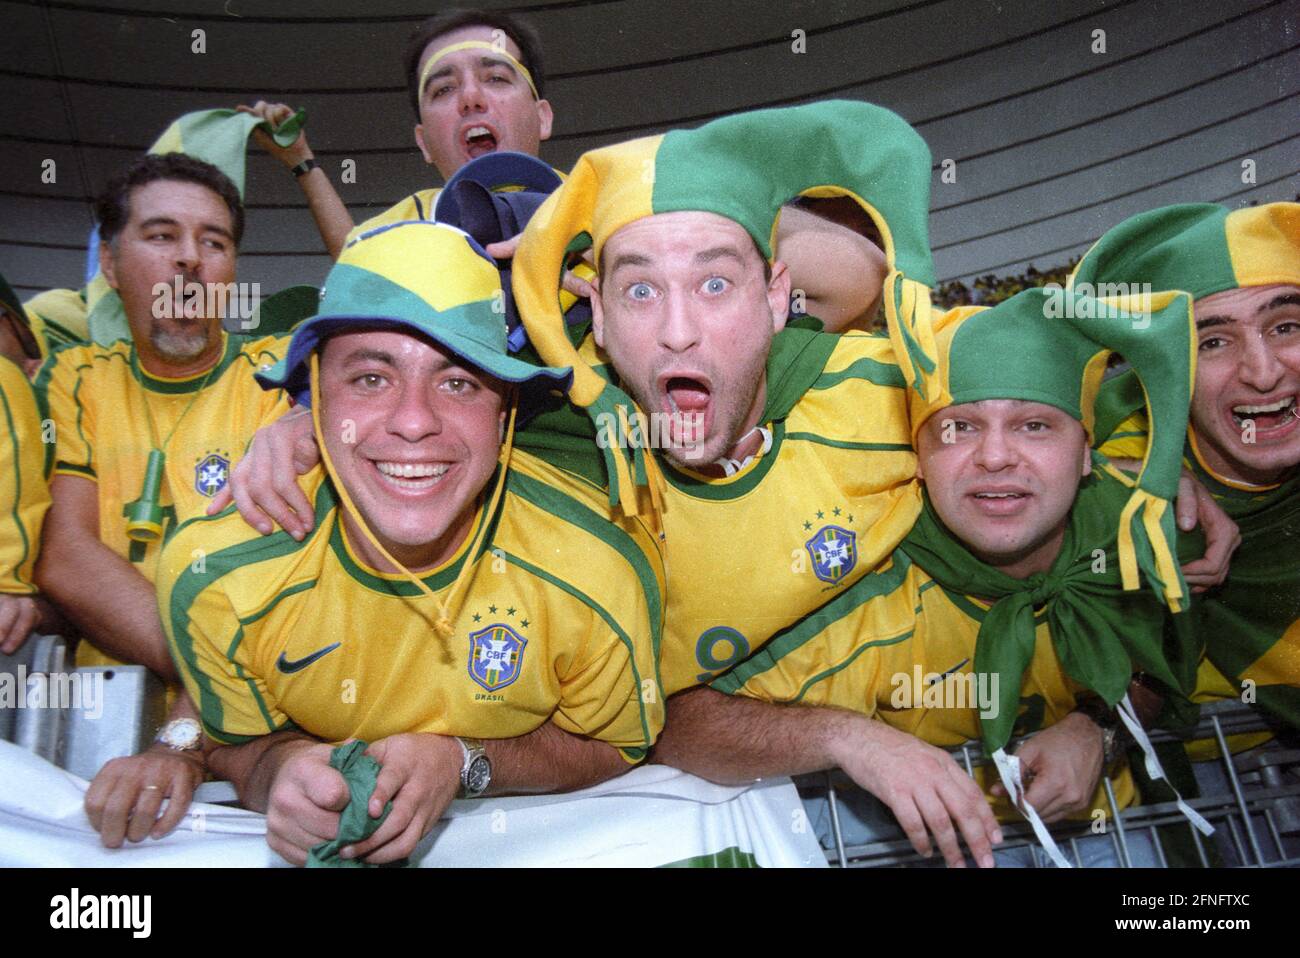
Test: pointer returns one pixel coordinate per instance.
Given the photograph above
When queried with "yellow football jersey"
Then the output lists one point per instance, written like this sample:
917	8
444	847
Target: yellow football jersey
417	206
899	647
560	619
24	495
833	495
109	413
58	317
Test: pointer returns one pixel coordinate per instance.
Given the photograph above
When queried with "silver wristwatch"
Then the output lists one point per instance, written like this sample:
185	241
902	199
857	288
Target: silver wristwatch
181	735
475	769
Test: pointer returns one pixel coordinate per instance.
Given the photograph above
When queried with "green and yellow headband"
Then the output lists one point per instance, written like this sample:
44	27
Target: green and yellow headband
744	167
497	51
1051	346
1200	248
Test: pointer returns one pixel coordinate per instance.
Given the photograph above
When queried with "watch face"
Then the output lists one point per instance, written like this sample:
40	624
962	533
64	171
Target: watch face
181	734
478	775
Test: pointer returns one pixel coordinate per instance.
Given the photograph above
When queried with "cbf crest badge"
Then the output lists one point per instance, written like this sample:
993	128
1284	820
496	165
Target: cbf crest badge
211	474
496	655
834	553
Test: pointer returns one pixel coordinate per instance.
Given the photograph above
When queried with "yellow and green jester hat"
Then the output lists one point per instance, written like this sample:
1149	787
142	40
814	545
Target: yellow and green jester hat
1052	346
1199	248
743	167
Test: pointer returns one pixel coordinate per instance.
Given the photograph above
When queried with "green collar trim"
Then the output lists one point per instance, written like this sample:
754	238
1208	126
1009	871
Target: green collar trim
397	584
191	384
732	487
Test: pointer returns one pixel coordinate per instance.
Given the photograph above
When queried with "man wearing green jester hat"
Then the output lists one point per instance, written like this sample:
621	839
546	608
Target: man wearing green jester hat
1011	608
1242	267
487	625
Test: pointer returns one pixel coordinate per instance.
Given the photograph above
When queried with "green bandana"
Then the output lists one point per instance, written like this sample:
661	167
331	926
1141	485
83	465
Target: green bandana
1199	248
361	772
1101	633
1052	346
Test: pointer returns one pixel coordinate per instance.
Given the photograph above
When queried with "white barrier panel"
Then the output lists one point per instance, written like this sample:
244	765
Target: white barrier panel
650	816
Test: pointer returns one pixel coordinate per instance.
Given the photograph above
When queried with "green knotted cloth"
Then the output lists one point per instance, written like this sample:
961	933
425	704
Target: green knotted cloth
1101	633
361	772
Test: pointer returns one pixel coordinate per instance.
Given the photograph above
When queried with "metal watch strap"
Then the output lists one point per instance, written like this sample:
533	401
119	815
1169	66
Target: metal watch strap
475	768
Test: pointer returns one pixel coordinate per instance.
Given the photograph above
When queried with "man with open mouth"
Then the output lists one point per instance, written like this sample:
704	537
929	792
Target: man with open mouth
1004	612
777	459
459	604
476	85
1243	269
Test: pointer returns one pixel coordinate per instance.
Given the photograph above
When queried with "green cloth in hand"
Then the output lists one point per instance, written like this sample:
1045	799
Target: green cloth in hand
361	772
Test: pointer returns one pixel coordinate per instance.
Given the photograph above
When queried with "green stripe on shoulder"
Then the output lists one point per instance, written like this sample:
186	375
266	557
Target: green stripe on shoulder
871	586
562	506
191	583
871	370
845	444
41	384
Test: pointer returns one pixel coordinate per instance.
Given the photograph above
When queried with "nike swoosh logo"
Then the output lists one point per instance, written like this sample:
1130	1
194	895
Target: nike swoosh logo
943	675
288	667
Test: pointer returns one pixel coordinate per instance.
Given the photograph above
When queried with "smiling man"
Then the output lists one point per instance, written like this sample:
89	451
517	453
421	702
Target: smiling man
995	617
1243	269
460	605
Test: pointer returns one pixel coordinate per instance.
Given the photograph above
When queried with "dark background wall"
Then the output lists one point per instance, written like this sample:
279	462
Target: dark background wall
1053	142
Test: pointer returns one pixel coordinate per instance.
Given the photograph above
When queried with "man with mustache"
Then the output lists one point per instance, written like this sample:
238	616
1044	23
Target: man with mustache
145	432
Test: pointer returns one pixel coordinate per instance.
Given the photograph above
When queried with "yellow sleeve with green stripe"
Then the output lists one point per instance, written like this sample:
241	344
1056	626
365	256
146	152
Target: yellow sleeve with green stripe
59	317
59	390
612	688
24	495
417	206
211	642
